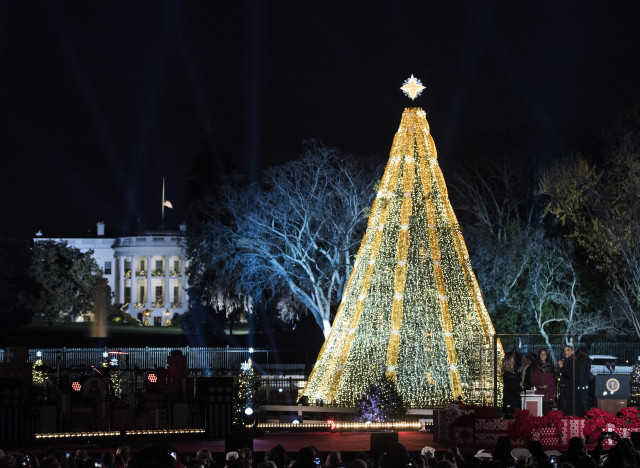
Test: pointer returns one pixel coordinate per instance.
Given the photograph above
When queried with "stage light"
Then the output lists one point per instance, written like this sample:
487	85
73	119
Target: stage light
248	411
295	421
153	378
76	386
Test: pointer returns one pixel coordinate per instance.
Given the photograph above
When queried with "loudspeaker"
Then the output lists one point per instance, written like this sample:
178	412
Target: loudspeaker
218	395
380	441
237	441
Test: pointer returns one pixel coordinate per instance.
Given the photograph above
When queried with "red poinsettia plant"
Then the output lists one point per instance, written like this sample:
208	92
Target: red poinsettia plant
596	420
629	417
525	424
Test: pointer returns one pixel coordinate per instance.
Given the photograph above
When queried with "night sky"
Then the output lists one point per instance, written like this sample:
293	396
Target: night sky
99	100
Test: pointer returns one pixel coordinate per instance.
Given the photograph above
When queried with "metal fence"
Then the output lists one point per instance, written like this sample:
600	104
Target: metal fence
200	361
626	352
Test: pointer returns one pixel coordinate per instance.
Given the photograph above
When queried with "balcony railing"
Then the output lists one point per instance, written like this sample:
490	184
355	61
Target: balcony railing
140	305
158	304
175	273
157	272
141	273
176	305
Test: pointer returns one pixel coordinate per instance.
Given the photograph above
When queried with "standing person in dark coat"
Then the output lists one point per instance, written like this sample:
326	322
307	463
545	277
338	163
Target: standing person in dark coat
543	379
527	360
567	385
583	377
510	385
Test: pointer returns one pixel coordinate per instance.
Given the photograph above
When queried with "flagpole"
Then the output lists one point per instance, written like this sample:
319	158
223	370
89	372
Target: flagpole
162	224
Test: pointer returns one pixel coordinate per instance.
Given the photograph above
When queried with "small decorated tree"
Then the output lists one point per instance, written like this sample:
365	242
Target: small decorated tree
634	384
380	402
247	396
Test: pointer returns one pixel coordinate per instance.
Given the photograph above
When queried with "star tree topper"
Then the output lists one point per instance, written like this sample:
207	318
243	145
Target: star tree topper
412	87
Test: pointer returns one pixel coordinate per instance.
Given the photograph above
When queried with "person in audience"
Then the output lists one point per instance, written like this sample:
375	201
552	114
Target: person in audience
108	460
543	379
429	455
510	385
577	454
245	457
358	463
444	464
125	452
50	459
364	456
455	457
82	459
396	456
204	457
278	455
232	460
538	458
334	460
502	453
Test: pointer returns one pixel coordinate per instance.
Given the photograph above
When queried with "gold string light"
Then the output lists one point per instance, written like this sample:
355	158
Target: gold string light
412	307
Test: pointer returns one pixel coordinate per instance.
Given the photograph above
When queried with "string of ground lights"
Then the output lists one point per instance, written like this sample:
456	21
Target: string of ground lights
412	307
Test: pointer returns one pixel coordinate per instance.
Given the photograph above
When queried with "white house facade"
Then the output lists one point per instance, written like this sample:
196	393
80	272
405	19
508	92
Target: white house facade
146	271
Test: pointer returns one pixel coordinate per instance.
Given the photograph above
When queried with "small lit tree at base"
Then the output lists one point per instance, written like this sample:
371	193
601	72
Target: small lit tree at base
634	384
247	396
380	402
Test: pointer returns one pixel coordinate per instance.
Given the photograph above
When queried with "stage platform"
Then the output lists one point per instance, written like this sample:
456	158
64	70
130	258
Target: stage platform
323	441
292	442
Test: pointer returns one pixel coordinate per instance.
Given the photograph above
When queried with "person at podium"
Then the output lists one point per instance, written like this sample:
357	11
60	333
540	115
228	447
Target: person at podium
543	379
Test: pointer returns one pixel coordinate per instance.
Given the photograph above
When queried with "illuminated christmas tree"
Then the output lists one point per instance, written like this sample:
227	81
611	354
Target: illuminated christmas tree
247	397
412	306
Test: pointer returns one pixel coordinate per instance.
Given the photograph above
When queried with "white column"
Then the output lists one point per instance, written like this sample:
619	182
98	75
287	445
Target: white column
184	297
167	299
149	301
120	276
134	293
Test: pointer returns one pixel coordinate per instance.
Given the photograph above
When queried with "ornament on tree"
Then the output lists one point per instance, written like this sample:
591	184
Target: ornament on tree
412	305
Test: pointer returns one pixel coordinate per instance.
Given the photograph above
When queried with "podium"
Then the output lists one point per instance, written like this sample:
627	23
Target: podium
612	391
532	403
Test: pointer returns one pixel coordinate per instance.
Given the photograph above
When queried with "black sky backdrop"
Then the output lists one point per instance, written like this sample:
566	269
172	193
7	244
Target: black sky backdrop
99	100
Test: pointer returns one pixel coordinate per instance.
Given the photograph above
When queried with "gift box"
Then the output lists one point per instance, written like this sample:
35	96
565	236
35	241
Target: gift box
443	420
492	425
547	436
608	442
462	435
572	428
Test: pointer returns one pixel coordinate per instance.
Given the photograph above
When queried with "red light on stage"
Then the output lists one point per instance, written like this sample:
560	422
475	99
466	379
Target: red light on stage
153	378
76	386
332	424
